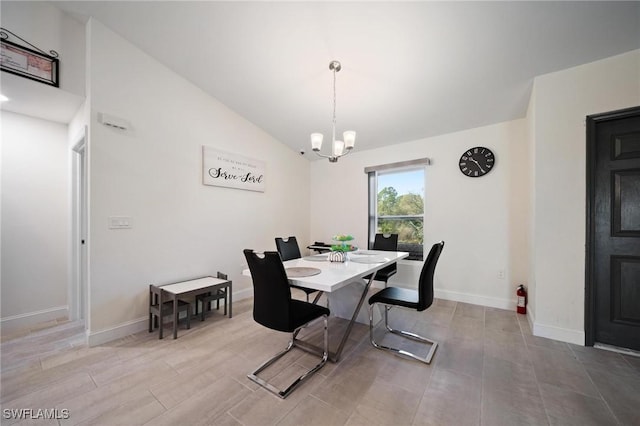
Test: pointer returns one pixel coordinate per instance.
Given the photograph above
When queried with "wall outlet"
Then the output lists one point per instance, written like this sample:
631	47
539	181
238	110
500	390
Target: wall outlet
501	274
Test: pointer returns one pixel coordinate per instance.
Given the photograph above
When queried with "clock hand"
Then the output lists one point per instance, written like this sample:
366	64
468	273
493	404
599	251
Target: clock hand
477	164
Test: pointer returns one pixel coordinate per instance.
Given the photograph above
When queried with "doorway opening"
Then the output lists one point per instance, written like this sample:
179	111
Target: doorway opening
78	291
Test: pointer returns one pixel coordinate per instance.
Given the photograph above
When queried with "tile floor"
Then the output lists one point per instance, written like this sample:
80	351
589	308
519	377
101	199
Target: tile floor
488	370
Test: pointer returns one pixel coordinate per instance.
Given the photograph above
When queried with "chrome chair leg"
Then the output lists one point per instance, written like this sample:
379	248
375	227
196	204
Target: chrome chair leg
292	343
426	359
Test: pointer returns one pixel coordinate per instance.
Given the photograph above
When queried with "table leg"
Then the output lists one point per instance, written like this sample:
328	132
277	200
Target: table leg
335	356
353	319
230	293
161	326
175	316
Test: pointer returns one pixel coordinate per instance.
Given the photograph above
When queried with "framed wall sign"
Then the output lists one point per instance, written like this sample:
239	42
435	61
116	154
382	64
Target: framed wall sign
220	168
28	63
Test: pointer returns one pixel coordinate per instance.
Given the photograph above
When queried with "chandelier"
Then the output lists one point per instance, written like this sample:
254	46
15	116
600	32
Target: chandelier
338	147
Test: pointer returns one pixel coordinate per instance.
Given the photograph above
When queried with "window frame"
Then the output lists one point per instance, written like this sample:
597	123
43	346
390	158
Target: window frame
373	174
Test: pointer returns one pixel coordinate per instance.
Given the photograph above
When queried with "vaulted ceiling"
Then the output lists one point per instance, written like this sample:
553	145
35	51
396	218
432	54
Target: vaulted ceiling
409	70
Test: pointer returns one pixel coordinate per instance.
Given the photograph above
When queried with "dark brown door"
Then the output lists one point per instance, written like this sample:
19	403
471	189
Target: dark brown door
613	260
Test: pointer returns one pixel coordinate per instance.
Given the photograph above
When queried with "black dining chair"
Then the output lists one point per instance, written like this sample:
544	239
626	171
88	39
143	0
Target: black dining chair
419	299
274	308
289	249
386	242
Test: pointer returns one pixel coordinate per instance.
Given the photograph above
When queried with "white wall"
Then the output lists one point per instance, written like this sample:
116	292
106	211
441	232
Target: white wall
153	173
562	101
35	225
481	220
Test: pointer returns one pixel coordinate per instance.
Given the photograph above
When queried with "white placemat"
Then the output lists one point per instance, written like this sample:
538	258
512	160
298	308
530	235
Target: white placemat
301	271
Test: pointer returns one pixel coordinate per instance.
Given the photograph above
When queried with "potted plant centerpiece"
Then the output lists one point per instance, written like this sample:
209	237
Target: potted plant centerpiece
342	244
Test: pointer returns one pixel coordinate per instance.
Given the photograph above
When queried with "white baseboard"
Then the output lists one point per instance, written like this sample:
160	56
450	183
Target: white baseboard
141	324
31	318
530	319
550	332
243	294
117	332
475	299
557	333
457	296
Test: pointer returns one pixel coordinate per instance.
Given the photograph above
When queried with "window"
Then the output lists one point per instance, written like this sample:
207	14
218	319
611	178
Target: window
396	206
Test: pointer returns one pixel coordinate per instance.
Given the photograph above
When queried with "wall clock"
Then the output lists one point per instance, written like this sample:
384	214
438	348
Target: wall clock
477	162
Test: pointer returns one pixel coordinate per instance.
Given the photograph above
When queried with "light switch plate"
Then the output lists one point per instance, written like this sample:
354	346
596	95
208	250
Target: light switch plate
120	222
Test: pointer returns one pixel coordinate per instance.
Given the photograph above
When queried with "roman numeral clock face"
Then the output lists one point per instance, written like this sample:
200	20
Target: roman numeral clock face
477	162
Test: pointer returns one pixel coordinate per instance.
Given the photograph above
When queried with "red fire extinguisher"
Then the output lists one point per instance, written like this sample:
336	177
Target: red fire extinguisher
522	299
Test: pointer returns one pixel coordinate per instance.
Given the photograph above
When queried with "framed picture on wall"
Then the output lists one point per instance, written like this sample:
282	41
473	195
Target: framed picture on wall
220	168
28	63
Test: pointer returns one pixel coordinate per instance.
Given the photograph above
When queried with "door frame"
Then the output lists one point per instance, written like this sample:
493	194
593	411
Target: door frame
78	288
589	291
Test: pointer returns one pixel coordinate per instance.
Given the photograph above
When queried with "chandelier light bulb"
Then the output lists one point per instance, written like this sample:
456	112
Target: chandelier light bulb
349	139
316	141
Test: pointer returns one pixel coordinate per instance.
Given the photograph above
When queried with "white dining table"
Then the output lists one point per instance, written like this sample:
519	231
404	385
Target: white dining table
343	282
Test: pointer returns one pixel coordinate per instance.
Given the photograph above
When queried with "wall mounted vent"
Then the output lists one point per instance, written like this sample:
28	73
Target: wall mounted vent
111	121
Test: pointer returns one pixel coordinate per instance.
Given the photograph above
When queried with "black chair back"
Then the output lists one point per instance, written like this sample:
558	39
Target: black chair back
288	248
387	243
271	292
425	285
